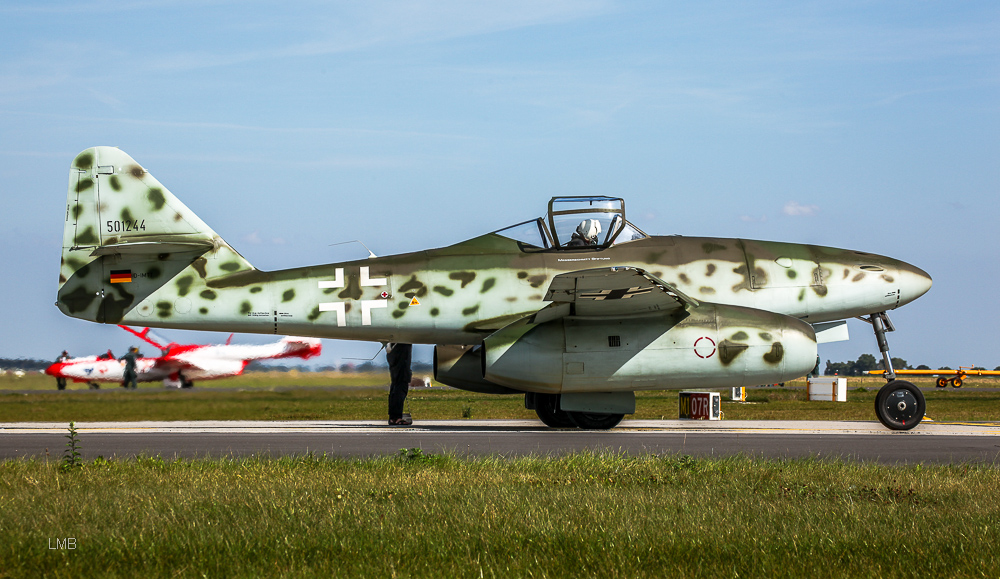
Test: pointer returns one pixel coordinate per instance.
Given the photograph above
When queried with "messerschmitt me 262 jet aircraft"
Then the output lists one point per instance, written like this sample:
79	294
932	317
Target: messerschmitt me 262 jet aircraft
575	324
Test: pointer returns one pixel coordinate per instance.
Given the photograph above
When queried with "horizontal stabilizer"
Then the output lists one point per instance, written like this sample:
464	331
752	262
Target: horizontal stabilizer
151	247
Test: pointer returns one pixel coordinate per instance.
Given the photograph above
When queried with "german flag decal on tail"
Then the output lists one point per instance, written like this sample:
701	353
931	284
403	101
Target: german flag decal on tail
121	275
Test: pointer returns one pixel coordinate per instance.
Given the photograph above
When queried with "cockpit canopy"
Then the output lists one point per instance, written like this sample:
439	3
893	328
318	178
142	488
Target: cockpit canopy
577	223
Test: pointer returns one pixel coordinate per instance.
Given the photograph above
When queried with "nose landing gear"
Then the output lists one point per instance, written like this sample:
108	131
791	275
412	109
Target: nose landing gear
899	405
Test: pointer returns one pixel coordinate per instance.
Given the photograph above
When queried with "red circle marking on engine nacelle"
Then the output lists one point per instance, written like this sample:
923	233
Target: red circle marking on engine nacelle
700	348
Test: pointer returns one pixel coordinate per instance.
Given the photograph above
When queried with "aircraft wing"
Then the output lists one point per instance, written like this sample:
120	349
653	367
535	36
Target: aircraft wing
164	365
613	291
203	364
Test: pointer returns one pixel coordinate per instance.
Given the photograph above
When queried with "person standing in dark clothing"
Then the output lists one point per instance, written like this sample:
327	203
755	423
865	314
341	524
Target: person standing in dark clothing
399	356
60	381
130	376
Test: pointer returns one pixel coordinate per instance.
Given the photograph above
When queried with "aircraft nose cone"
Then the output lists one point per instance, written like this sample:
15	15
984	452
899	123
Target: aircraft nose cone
913	282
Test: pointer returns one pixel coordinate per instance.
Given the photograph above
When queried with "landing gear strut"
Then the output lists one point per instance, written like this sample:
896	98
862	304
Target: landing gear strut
899	405
547	409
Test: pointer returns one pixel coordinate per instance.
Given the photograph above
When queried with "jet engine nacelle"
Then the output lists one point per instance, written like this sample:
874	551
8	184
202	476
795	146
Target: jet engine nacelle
462	367
710	346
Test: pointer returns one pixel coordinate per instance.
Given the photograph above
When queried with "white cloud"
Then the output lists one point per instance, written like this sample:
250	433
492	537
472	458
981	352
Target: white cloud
753	219
796	209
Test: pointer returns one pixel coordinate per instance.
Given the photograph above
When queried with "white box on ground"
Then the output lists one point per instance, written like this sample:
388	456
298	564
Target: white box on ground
828	388
738	393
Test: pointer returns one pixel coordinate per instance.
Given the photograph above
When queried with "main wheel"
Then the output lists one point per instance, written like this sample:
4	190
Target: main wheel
956	382
900	405
941	382
595	421
547	409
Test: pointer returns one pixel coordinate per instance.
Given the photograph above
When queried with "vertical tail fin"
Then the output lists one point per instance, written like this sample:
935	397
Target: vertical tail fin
126	235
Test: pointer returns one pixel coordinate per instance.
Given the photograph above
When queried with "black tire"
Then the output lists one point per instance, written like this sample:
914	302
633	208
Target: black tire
956	383
547	409
595	421
900	405
942	382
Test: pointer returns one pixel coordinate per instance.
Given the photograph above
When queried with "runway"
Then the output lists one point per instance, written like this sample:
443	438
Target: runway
930	442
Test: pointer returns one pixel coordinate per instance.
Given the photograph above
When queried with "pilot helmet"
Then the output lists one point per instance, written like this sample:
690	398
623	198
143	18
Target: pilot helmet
589	229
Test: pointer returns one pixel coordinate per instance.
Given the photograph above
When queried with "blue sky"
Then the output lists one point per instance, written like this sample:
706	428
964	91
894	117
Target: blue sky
292	126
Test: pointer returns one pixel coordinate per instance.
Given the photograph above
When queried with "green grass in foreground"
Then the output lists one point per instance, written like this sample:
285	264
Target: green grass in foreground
578	516
274	396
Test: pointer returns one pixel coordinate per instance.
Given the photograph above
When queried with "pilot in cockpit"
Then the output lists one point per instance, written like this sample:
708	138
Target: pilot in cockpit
586	233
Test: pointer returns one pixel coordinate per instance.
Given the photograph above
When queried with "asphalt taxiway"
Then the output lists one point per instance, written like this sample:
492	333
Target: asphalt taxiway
930	442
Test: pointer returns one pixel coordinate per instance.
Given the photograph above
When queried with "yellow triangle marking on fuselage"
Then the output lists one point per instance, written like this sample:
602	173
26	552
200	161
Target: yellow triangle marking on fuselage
414	302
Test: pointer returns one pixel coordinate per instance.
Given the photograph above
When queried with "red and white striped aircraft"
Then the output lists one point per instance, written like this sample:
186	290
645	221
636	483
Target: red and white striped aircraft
179	365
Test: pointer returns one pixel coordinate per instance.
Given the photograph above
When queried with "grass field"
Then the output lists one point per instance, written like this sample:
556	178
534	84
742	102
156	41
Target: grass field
422	516
416	515
334	396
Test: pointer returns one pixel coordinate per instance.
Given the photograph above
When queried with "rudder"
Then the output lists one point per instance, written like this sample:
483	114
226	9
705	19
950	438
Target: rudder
126	235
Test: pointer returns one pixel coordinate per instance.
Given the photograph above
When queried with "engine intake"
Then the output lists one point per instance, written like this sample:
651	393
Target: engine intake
462	367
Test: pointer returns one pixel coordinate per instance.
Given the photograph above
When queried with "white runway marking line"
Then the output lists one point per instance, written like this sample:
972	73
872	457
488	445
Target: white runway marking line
473	427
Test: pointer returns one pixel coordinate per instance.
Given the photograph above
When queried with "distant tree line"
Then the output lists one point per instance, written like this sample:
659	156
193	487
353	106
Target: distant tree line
24	364
347	367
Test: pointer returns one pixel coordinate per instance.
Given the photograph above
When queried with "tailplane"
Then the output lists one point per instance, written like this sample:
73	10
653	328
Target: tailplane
126	235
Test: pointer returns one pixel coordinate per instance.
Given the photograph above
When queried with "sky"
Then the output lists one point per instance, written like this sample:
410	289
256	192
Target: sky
294	126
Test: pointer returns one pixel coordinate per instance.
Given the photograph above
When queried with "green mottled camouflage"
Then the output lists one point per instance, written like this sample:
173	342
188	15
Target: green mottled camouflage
183	275
464	290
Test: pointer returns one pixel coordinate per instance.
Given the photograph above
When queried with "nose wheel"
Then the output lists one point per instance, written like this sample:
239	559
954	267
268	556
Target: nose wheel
899	405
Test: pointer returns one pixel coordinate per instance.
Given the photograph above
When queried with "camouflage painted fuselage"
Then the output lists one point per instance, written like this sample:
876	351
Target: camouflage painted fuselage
134	254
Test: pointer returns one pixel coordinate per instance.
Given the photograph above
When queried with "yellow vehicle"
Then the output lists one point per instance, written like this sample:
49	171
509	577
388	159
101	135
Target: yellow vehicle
945	377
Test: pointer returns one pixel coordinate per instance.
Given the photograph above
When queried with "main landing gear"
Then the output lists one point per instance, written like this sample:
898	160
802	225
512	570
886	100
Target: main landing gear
899	405
548	411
